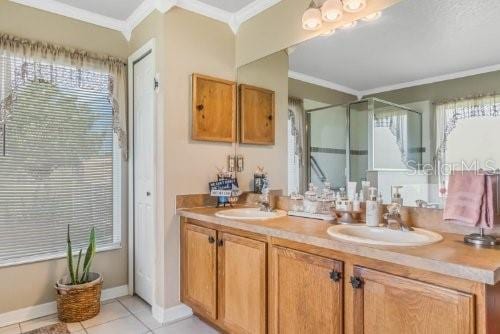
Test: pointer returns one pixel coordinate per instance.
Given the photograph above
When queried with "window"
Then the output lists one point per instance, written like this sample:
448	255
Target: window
466	131
61	165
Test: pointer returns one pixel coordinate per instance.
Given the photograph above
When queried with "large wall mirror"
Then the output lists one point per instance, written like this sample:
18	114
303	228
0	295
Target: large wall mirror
361	107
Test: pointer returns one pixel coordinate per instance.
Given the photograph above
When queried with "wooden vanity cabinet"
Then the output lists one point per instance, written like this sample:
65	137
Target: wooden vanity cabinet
224	278
389	304
305	293
199	269
242	284
231	280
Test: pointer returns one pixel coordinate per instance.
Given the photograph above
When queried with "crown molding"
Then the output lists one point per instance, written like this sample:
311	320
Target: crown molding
426	81
234	20
142	11
202	8
323	83
59	8
251	10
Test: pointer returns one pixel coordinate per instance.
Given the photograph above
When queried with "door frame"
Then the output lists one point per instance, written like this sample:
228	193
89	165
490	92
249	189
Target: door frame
148	49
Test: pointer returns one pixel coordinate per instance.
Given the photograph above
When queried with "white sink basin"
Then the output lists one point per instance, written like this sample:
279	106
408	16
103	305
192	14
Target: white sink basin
250	214
383	236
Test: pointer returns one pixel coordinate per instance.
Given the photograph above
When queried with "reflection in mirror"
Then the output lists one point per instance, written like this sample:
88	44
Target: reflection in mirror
326	143
397	119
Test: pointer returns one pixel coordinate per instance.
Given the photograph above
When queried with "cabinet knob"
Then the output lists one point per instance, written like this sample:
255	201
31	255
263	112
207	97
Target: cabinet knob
357	282
220	243
335	276
211	239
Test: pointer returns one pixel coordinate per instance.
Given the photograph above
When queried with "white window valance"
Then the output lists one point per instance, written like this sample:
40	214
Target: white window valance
25	61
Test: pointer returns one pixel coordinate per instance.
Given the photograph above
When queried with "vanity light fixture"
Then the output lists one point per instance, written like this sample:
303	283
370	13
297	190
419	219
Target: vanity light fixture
349	25
354	6
311	19
331	10
320	11
372	17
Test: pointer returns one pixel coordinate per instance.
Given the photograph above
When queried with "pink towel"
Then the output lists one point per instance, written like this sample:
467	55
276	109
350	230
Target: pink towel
470	199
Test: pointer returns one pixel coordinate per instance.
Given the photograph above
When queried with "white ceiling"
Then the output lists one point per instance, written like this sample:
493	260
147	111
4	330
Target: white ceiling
117	9
231	6
414	40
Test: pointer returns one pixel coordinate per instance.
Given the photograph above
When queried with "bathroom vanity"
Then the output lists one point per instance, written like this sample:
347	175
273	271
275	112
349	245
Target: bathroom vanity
287	275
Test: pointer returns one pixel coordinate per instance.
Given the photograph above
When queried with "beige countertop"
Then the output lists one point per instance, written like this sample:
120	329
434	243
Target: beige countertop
449	257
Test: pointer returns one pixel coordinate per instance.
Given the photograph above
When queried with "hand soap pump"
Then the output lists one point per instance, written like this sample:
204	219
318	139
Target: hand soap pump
372	208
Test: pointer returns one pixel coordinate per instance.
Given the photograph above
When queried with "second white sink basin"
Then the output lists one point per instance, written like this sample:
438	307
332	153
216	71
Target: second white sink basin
250	214
383	236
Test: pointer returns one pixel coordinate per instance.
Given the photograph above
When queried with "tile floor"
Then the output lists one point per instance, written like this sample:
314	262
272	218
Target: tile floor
125	315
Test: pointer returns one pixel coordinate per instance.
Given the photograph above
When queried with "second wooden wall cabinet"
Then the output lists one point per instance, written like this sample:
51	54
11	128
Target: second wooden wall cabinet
257	115
248	283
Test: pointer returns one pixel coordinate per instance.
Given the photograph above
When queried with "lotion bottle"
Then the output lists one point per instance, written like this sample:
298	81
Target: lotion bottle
372	208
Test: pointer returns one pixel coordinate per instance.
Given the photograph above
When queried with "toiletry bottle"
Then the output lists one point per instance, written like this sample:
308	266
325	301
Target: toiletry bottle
351	190
356	205
396	195
372	208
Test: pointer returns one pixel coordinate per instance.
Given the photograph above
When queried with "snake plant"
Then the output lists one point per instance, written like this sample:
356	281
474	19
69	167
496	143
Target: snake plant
74	272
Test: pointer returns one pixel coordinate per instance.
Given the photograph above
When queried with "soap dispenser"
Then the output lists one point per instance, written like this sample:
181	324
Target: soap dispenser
396	195
372	208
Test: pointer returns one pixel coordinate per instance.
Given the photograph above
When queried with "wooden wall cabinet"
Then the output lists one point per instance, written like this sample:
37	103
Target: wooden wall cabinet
389	304
224	279
305	293
213	109
257	115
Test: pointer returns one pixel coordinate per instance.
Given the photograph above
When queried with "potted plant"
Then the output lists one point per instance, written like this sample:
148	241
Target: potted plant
79	293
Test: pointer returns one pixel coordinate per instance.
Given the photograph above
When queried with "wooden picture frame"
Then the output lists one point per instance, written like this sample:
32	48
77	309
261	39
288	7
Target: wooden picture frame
257	115
213	109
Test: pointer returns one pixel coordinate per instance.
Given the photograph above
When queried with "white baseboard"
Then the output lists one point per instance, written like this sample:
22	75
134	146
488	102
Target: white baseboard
171	314
115	292
41	310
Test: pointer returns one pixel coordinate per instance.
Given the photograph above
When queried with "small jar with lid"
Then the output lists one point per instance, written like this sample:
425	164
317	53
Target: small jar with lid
296	202
311	199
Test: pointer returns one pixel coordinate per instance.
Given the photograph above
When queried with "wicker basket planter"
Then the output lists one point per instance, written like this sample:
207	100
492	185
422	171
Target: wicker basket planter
79	302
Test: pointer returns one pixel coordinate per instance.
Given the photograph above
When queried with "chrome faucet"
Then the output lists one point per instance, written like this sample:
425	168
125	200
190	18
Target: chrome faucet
264	202
394	216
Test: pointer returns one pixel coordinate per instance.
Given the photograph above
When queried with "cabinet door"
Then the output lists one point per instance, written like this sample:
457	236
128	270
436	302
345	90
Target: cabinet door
199	269
214	109
242	284
389	304
257	115
306	293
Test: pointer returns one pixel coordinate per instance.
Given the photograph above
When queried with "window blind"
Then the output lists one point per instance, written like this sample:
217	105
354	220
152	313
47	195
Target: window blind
61	164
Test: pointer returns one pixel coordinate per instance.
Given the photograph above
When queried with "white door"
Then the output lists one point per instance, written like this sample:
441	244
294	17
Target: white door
144	168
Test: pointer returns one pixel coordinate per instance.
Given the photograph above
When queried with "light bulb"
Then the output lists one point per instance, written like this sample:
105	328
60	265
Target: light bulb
331	10
328	33
311	19
353	6
349	25
372	17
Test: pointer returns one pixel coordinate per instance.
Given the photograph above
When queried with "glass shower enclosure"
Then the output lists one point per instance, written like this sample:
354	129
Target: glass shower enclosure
350	142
